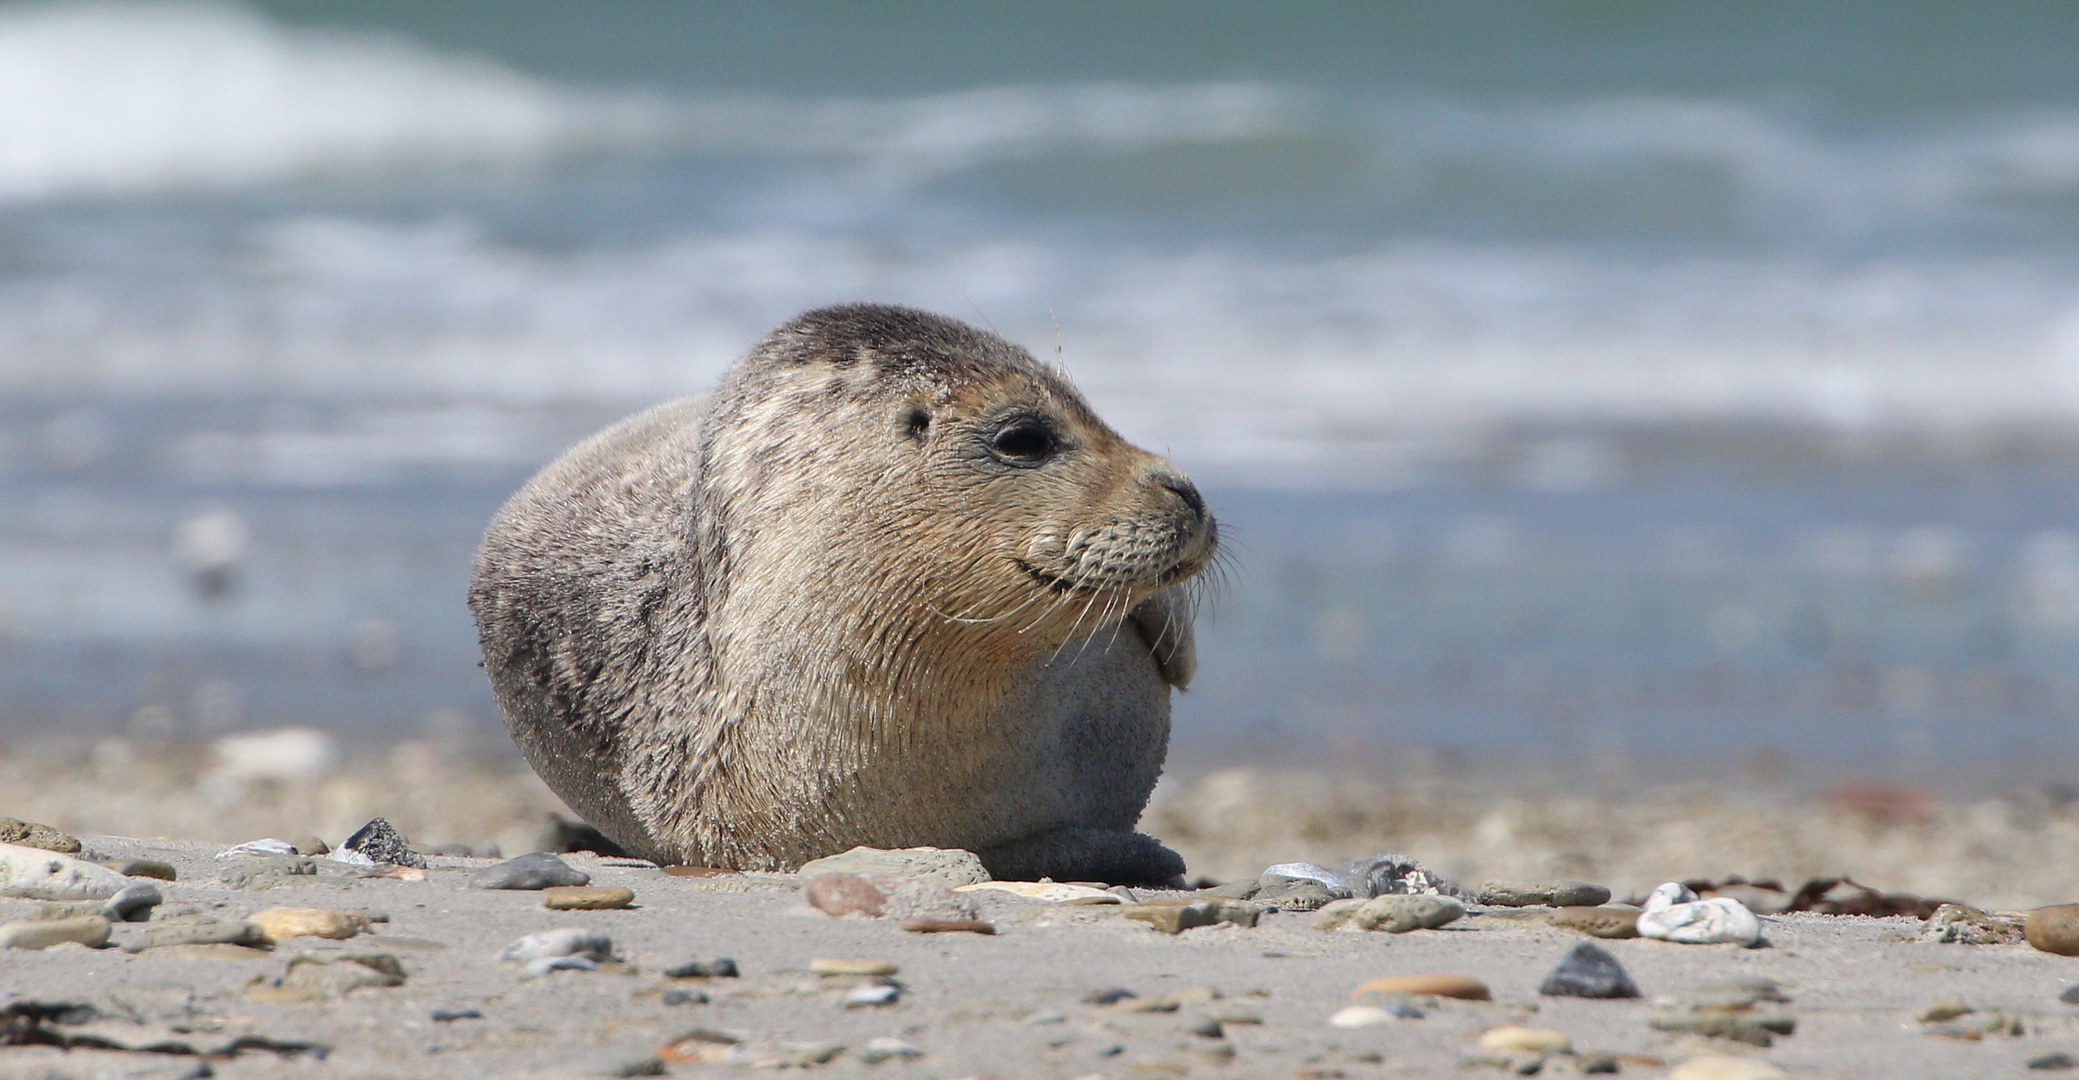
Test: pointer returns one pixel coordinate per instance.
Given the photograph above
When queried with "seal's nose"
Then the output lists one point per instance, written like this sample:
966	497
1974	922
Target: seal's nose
1184	490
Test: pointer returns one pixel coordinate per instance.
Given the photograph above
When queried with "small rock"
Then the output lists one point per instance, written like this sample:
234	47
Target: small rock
586	897
844	894
1461	987
199	932
1725	1067
133	904
1753	1030
615	1065
683	997
1543	894
1175	918
2056	1059
1306	871
1398	914
314	978
1959	924
542	965
1241	889
449	1016
1109	996
89	930
554	943
833	966
2070	995
951	867
380	842
885	1048
1293	894
1604	922
258	847
698	1046
151	868
1736	992
1336	914
927	900
1051	892
312	845
1357	1016
1389	875
1525	1040
1720	920
256	871
36	874
2054	929
536	870
30	834
1588	970
279	923
949	926
703	969
1943	1010
876	994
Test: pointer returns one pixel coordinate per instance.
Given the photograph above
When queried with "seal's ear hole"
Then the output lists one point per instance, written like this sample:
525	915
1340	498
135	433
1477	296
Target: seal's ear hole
915	423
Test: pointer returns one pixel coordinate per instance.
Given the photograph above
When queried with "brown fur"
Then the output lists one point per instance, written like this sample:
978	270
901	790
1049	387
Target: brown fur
832	605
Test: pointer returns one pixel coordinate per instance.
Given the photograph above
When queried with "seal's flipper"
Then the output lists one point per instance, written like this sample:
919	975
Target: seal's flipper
1076	854
1164	622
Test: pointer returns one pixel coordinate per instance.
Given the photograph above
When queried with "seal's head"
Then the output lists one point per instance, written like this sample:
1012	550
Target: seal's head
966	485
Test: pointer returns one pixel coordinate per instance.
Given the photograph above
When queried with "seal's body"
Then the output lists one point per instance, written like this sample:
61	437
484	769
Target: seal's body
894	584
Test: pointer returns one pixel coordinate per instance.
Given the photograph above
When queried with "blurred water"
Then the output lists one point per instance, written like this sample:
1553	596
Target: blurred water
1586	377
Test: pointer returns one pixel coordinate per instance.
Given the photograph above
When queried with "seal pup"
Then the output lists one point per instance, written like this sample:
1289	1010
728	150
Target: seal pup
892	584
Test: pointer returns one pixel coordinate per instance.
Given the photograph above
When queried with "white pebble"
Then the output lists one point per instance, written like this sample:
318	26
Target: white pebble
1719	920
1357	1016
878	994
36	874
542	965
258	847
554	943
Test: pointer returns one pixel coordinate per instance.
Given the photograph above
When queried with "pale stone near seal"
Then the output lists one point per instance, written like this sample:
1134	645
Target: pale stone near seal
893	585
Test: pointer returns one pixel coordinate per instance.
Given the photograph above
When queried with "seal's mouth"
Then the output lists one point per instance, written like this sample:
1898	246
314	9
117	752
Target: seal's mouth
1055	583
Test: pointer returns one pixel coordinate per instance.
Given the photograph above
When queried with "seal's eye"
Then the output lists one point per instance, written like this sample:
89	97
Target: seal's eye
1026	441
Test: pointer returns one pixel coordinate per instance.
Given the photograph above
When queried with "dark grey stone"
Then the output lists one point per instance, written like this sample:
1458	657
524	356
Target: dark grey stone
2070	995
448	1016
724	968
379	841
1292	894
536	870
133	904
684	997
1588	970
1388	874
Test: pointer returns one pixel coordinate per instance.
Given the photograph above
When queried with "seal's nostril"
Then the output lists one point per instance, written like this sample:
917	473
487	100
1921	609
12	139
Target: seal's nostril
1186	491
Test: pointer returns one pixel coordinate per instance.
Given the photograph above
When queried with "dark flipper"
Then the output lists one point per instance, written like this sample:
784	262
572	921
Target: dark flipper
1070	853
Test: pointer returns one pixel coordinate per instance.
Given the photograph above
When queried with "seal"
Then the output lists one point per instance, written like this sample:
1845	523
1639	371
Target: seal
893	584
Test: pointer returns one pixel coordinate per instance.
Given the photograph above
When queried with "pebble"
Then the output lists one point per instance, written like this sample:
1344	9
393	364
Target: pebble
949	926
619	1064
1306	871
1175	918
554	943
31	834
1960	924
844	894
1725	1067
312	845
683	997
1753	1030
258	847
1462	987
1719	920
1543	894
586	897
886	1048
89	930
263	871
951	867
1525	1040
2056	1059
828	965
2054	929
536	870
927	900
724	968
1052	892
1398	914
542	965
1357	1016
290	922
876	994
379	842
36	874
200	932
1383	875
133	904
314	978
1588	970
1943	1010
2070	995
1603	922
151	868
449	1016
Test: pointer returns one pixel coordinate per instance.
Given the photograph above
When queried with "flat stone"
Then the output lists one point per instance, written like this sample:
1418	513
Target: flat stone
697	1047
535	870
1359	1016
542	965
314	978
1943	1010
1306	871
951	867
829	965
36	874
2069	995
724	968
844	894
948	926
1589	971
682	997
1398	914
380	842
1603	922
1720	920
615	1064
1960	924
2054	929
1335	914
1725	1067
279	923
134	903
31	834
267	846
266	871
1393	875
151	868
1543	894
1175	918
586	897
886	1048
563	942
201	932
1292	894
1753	1030
872	995
2056	1059
1461	987
1050	892
89	930
927	900
1512	1039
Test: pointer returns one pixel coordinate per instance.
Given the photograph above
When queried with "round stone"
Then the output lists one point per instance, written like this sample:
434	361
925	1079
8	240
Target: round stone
844	894
586	897
1400	913
1462	987
2054	929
